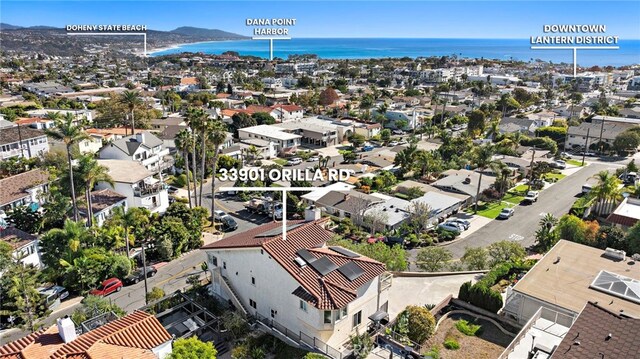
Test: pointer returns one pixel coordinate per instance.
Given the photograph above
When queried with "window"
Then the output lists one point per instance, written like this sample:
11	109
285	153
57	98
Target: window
303	305
357	319
253	280
224	265
273	313
340	314
252	303
327	317
214	261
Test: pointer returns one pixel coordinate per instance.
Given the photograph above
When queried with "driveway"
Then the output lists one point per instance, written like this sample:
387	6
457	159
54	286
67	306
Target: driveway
424	290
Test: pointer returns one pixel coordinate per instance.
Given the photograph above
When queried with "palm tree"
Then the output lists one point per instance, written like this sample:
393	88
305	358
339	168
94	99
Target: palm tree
217	136
91	173
548	221
607	191
70	134
183	143
194	120
482	157
493	129
136	217
132	100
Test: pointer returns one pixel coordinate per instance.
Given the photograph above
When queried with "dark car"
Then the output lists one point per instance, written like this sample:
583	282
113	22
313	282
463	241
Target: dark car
227	223
138	275
107	287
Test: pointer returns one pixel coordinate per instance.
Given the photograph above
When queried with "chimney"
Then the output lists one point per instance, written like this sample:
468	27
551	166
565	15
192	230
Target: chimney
312	214
66	329
140	137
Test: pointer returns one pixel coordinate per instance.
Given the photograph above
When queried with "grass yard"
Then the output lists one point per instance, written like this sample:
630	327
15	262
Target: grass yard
556	176
574	162
280	161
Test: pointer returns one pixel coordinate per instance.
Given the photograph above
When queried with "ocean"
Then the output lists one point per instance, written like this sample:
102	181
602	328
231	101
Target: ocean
363	48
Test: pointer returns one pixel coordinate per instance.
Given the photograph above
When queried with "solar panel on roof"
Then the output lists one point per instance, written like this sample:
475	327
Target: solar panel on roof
304	254
351	270
276	231
323	265
345	252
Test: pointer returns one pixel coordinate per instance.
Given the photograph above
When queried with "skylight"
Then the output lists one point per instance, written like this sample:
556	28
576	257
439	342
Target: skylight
618	285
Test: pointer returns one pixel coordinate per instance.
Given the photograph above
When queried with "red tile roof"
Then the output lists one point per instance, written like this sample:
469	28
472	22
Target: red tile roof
288	108
331	291
132	336
621	220
597	333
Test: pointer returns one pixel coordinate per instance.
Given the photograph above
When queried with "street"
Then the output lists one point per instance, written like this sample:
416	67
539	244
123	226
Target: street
556	200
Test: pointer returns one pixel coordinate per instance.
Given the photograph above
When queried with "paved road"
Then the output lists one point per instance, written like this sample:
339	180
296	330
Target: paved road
556	199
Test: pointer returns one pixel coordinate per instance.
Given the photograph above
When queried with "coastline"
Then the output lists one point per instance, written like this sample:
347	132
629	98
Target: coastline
152	51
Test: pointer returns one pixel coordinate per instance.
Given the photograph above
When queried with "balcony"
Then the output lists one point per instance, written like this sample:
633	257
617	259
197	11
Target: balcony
149	190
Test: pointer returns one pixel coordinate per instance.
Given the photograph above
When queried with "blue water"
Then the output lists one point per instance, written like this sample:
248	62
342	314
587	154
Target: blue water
362	48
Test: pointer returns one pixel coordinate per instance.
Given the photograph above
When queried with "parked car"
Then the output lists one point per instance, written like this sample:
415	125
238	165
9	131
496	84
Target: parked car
397	132
391	241
629	178
294	161
506	213
532	196
138	275
452	227
227	223
313	159
393	143
172	189
462	222
367	148
560	164
107	287
53	295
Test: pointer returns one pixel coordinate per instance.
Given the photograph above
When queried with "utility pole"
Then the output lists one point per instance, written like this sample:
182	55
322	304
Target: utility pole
586	142
600	140
20	141
533	156
144	270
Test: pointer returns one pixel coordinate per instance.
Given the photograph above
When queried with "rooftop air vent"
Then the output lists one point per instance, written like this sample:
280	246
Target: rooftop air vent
300	262
612	253
467	180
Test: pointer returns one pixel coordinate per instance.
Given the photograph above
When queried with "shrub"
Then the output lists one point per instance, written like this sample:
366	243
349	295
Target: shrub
467	328
463	293
155	294
451	344
433	353
421	323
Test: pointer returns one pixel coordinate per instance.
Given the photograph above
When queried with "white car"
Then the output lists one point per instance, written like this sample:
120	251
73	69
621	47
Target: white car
393	143
398	132
506	213
559	164
313	159
532	196
294	161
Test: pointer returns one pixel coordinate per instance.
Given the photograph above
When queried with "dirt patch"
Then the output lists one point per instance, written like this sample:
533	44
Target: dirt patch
489	345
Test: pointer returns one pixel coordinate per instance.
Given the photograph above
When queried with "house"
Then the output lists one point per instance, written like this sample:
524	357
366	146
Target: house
103	203
132	180
91	145
367	130
394	212
143	147
627	214
137	335
572	274
284	141
314	131
410	118
350	204
463	181
19	141
607	132
320	293
77	114
284	113
35	122
24	189
442	204
25	246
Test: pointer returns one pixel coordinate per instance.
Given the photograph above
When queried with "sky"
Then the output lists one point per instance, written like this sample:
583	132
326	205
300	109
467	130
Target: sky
413	19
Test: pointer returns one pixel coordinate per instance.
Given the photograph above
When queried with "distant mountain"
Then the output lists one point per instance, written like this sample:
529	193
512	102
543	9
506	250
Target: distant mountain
4	26
206	33
48	40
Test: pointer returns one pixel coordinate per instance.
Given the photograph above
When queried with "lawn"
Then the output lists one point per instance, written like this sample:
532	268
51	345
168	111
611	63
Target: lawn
556	176
280	161
574	162
492	209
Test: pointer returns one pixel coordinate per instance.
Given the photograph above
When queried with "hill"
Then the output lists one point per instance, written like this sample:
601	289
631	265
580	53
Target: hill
206	33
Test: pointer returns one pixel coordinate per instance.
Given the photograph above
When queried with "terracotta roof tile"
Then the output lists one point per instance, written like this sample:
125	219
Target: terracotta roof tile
15	187
331	291
592	329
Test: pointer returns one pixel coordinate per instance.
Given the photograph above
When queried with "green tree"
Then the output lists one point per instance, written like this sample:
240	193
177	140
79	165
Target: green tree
70	134
477	123
132	100
612	237
433	259
475	258
263	118
385	135
357	140
155	294
504	251
242	120
93	306
184	142
26	219
22	293
482	158
192	348
406	158
421	325
420	216
546	237
633	239
90	172
627	141
394	258
362	344
217	137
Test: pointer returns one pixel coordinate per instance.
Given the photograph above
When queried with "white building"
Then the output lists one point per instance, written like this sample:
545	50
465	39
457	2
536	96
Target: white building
24	245
92	145
284	113
283	140
320	292
77	114
143	147
132	180
20	141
